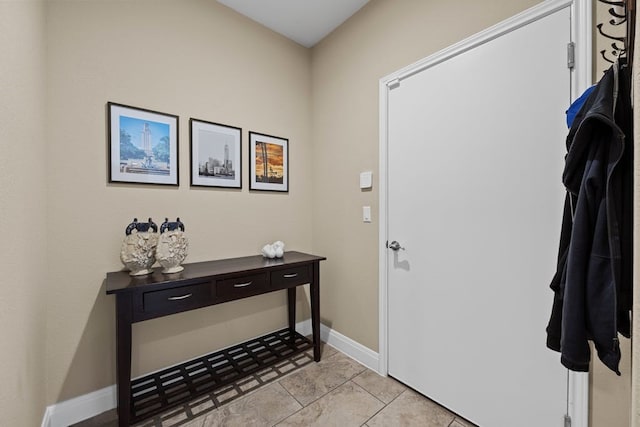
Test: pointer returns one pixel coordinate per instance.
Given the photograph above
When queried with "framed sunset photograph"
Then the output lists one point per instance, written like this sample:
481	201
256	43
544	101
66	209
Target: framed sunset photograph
143	145
269	162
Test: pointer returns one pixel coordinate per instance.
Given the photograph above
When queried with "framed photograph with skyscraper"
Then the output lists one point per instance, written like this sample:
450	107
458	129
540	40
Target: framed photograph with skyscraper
216	154
143	145
269	162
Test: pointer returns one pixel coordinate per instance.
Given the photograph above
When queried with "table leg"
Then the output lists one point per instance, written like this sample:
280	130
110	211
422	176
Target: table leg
315	310
291	298
123	357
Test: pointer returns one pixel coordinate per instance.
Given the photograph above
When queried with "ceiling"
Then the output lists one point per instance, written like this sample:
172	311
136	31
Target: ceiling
304	21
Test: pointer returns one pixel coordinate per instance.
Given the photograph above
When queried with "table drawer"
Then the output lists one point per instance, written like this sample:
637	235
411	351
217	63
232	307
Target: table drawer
178	299
289	277
240	287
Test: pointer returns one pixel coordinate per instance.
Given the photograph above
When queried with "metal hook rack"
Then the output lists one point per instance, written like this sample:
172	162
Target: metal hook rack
617	16
620	13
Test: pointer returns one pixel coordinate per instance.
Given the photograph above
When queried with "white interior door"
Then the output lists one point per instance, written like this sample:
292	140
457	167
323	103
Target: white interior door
475	157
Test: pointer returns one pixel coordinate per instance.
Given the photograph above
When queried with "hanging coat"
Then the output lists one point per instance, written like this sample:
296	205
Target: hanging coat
593	280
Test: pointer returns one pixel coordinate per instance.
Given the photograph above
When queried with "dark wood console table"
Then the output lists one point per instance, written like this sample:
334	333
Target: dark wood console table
199	285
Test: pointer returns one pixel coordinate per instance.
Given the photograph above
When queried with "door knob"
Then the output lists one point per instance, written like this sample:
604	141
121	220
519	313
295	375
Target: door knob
394	246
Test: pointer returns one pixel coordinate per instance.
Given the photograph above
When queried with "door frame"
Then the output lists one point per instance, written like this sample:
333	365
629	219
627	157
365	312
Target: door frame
581	79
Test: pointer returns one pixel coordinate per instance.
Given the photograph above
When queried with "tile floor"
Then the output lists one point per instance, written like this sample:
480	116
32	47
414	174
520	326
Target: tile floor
337	391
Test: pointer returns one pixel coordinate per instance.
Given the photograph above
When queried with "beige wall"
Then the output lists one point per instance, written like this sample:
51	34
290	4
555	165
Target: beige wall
609	394
346	67
193	58
22	212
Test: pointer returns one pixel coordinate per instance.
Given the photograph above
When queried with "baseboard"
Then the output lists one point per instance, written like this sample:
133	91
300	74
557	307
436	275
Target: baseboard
71	411
74	410
304	327
346	345
46	419
351	348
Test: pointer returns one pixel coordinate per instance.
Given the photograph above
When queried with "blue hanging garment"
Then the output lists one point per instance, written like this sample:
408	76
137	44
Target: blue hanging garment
577	104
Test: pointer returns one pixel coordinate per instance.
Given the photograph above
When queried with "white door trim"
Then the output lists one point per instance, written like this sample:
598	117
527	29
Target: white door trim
581	79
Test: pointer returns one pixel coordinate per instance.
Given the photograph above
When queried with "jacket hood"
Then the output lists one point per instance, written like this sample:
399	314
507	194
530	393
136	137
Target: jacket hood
596	115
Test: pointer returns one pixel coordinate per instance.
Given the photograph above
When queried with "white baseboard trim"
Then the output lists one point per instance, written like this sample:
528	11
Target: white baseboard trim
71	411
346	345
46	419
89	405
304	328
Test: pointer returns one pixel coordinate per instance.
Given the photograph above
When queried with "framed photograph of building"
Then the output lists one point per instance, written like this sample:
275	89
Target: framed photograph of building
216	154
269	162
143	145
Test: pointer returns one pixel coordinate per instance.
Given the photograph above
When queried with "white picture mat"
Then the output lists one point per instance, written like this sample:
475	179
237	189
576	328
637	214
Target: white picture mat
116	112
219	135
254	184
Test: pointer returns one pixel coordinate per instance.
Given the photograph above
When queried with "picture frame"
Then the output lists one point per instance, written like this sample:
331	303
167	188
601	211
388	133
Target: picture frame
143	145
216	154
268	162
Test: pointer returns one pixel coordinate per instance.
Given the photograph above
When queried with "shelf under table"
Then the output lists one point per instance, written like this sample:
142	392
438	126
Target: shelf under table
155	393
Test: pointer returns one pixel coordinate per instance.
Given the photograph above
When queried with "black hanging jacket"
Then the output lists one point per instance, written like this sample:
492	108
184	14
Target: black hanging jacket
593	280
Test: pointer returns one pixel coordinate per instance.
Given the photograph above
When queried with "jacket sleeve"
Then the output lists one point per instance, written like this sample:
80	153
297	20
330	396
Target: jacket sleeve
589	294
560	277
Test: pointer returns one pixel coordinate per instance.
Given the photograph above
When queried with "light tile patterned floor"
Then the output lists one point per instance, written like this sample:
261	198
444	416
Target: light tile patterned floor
337	391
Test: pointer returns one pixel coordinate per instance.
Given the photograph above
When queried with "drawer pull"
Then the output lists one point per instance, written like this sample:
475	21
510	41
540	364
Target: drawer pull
180	297
289	276
242	285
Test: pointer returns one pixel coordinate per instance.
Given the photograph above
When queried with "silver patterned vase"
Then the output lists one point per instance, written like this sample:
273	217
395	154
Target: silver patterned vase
172	246
139	247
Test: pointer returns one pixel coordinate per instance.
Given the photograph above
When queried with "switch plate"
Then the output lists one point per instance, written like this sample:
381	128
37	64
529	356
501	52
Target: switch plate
366	213
366	179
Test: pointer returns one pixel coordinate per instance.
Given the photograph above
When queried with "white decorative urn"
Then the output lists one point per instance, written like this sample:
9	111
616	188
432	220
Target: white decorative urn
139	247
172	246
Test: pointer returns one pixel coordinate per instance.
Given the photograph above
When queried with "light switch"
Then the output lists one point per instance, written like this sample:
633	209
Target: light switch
366	213
365	179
